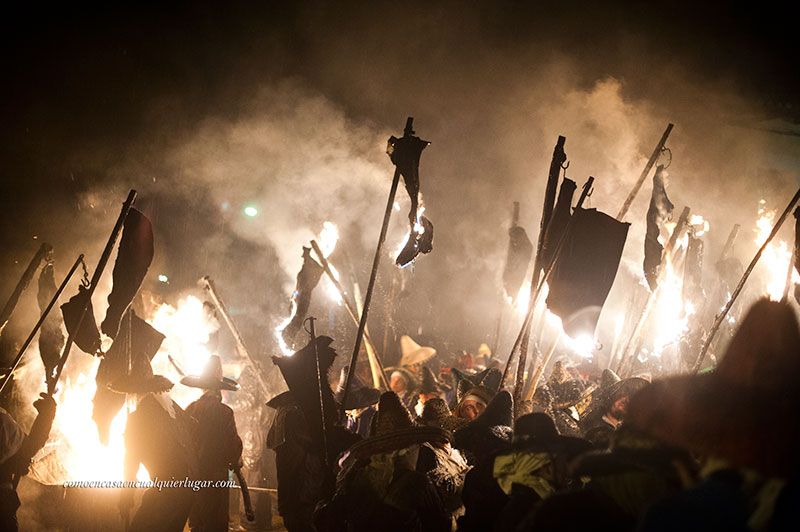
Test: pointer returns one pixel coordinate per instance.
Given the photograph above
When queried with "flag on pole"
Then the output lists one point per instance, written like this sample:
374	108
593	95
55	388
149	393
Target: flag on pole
133	259
307	279
558	221
585	270
51	339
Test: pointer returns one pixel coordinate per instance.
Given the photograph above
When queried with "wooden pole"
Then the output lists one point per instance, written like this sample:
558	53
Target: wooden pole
647	167
208	285
371	352
587	187
408	131
39	323
731	300
22	284
537	374
98	272
632	343
556	165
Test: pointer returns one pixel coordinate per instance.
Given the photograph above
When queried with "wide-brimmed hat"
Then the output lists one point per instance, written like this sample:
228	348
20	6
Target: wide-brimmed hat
538	432
435	413
491	430
631	450
746	411
359	396
394	429
140	383
211	377
281	400
413	353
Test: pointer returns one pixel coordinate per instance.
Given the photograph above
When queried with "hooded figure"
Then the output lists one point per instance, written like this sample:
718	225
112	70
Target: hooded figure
16	451
388	481
429	388
297	436
361	401
218	442
160	436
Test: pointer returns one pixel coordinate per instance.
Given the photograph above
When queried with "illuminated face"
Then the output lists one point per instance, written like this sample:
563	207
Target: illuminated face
398	383
471	408
620	407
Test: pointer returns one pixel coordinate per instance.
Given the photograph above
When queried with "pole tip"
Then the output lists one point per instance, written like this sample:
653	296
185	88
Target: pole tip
409	129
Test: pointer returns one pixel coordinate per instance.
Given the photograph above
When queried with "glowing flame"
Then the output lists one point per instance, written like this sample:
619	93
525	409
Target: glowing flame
418	228
777	255
523	299
582	345
327	240
698	225
74	450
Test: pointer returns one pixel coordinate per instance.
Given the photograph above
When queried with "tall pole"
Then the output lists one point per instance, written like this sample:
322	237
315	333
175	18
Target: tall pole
647	167
371	351
585	193
208	284
24	281
39	323
556	165
98	272
407	132
731	300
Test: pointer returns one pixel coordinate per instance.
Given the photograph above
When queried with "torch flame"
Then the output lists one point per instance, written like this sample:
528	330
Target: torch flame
777	256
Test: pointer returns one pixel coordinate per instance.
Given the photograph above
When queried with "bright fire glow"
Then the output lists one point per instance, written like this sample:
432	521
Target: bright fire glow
777	255
74	448
417	228
327	239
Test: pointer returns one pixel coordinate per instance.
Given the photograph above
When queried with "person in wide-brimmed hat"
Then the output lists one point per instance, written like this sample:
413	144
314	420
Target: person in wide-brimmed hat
429	388
473	392
436	413
412	353
404	383
160	435
361	401
218	441
746	411
297	433
481	439
612	411
384	482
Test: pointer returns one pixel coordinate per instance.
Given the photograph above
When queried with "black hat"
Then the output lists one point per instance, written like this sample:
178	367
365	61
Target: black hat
435	413
430	383
359	396
211	377
394	429
538	432
491	430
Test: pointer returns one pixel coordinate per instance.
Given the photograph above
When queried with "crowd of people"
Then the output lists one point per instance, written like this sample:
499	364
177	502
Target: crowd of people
447	449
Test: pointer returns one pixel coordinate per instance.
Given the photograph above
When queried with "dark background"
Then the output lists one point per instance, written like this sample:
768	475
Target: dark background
85	89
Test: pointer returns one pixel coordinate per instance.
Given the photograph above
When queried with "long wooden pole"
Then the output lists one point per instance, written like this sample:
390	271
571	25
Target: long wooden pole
208	284
632	344
39	323
98	272
371	351
647	167
559	156
22	284
408	131
731	300
587	187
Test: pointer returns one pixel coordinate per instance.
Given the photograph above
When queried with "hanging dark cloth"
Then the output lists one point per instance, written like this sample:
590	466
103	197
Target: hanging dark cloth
520	250
88	337
558	221
51	339
133	260
307	279
586	269
144	342
660	211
